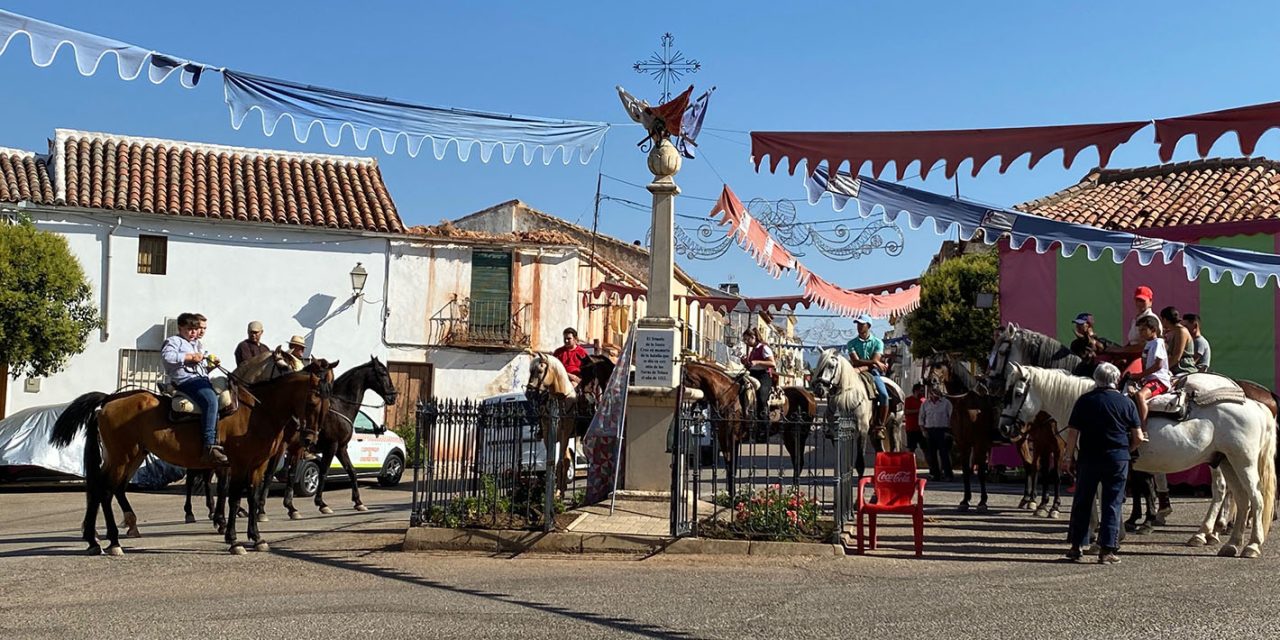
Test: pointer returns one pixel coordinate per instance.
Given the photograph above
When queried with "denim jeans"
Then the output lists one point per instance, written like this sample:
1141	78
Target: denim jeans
1111	470
202	394
882	392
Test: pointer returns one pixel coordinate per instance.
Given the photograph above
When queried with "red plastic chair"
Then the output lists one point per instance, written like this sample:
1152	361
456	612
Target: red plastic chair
896	484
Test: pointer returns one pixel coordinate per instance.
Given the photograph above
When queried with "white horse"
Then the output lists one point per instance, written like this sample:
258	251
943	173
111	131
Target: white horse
552	391
848	405
1242	435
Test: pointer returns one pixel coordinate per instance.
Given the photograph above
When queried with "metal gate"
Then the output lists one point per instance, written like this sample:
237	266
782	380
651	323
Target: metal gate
686	467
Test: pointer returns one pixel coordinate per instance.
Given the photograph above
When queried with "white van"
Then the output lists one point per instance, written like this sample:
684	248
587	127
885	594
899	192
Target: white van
509	418
375	452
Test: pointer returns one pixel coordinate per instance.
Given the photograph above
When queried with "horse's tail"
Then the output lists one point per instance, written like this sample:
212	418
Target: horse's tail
1267	475
82	412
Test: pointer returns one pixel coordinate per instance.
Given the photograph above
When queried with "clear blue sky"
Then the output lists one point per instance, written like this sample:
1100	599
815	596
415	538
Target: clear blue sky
778	66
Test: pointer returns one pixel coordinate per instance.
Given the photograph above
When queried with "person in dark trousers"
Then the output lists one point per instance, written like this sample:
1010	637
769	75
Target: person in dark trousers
1102	431
935	417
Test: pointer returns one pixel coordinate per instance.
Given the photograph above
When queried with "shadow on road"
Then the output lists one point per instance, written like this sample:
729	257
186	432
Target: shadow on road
618	624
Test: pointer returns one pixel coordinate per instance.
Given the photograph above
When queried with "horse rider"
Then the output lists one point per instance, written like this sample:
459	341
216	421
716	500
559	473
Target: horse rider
251	347
1179	343
1101	432
866	352
1203	353
297	347
760	365
1155	377
187	364
571	354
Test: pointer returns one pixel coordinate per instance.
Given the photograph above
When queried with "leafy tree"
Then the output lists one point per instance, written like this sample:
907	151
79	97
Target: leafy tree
948	319
45	309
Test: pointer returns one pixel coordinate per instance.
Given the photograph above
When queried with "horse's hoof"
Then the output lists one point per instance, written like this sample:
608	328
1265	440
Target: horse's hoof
295	515
1198	540
133	533
191	518
361	507
1054	514
262	546
963	506
1228	551
115	550
1042	513
221	528
982	507
1251	551
262	517
93	550
1032	506
1212	539
237	550
326	510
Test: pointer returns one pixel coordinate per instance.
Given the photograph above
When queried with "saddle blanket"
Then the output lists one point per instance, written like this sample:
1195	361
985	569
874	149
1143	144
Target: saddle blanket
1199	389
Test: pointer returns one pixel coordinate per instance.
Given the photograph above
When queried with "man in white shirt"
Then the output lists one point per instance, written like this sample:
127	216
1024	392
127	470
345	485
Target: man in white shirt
935	418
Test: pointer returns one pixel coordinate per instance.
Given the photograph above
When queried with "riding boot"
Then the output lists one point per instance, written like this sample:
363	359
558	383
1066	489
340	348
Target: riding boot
213	455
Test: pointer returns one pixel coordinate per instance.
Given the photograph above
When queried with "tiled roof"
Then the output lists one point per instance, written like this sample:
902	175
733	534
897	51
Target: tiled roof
1212	191
146	175
24	176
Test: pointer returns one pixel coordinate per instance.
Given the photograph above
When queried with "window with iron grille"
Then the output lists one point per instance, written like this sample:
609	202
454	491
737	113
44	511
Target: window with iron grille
490	305
153	254
140	368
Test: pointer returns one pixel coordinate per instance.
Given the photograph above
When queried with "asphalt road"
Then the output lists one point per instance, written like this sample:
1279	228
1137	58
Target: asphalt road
992	575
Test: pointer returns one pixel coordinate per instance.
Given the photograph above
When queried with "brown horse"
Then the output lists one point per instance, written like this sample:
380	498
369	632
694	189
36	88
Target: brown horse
122	428
551	391
1041	447
724	401
794	419
974	415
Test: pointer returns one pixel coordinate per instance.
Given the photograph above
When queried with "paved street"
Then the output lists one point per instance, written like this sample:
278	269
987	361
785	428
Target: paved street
990	575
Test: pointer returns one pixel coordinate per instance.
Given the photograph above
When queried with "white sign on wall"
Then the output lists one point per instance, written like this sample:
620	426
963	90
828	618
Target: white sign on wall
655	358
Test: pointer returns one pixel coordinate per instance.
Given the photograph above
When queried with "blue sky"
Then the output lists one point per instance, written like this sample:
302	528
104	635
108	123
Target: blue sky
777	66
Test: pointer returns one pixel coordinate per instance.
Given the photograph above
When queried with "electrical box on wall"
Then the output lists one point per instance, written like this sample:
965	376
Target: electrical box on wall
31	385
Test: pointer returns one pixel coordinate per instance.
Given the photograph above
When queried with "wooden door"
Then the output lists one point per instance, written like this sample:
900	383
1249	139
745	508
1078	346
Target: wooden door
413	383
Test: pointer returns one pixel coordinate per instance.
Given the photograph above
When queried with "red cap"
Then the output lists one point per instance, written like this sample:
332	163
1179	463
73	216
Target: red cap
1144	292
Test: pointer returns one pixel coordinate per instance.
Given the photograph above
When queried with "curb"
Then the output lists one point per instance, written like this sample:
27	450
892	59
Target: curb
507	541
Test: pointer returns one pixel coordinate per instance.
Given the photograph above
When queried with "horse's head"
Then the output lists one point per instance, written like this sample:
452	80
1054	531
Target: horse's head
284	362
1021	402
547	375
379	379
823	379
316	406
1005	351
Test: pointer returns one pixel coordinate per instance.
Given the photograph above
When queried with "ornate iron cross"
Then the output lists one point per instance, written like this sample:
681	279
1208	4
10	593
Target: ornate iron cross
667	66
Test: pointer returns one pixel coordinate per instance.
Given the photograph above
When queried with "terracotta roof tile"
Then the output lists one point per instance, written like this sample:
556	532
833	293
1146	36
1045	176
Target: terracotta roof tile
104	171
24	177
1212	191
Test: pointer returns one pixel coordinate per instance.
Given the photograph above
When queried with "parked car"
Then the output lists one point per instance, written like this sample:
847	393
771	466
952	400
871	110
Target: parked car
375	453
506	420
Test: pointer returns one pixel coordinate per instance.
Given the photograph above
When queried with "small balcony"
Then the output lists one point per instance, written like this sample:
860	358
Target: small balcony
482	323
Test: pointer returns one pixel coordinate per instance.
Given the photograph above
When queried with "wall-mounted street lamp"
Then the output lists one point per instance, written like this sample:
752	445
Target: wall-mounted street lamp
358	278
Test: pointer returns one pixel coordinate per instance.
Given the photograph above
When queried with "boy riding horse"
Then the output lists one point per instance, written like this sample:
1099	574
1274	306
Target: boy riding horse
866	353
187	364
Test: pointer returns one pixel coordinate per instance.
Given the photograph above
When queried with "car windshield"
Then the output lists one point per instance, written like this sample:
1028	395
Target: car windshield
363	423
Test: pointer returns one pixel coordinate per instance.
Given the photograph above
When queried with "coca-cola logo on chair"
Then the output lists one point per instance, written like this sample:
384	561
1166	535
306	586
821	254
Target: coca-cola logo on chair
893	477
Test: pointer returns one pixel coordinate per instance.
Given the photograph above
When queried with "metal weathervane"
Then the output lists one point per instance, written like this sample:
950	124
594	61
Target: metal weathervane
667	66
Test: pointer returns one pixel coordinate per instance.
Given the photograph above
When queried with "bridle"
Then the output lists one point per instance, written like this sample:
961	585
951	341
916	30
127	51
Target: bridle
1016	416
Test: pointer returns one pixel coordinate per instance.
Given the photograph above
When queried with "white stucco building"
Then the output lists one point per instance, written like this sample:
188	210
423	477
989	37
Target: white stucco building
161	227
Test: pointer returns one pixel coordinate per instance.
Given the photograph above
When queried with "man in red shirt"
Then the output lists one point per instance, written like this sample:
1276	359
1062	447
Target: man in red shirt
571	354
911	406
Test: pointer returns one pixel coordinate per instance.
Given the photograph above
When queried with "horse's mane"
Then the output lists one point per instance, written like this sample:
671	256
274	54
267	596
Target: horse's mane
1040	350
849	395
1058	389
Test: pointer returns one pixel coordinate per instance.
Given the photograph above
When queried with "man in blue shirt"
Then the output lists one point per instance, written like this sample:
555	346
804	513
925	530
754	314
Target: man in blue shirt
187	365
1101	432
865	352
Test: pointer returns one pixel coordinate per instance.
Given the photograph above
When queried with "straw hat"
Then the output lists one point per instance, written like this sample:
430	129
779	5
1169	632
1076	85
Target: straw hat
297	341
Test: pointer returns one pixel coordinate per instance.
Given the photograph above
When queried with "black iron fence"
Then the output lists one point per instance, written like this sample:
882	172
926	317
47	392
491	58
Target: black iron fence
791	479
493	464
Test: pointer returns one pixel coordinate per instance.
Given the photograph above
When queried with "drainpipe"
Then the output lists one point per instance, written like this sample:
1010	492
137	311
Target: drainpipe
105	331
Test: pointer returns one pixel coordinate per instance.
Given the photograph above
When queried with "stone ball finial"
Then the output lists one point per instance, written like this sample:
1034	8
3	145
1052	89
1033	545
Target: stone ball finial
664	160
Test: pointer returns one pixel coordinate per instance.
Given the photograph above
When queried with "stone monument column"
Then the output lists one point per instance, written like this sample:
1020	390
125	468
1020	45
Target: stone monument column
651	401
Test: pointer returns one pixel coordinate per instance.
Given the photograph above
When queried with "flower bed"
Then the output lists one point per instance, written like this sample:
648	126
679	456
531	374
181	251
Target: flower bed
771	513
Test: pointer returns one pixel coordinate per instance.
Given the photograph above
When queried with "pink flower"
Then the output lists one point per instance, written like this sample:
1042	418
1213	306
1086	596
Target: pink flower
740	506
791	515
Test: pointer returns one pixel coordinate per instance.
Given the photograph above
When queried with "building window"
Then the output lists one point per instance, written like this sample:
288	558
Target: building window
140	368
153	254
491	311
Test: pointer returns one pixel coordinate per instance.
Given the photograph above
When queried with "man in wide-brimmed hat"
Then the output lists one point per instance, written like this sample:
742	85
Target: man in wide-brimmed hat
297	346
